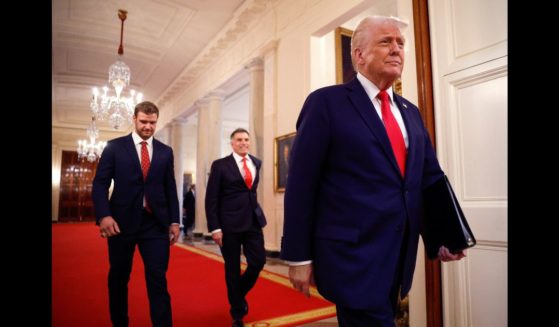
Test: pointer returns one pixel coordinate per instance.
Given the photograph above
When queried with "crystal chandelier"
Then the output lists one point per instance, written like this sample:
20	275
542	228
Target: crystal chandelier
92	150
112	105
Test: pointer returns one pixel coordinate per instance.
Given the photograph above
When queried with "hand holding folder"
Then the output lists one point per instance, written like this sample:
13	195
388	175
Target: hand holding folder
444	222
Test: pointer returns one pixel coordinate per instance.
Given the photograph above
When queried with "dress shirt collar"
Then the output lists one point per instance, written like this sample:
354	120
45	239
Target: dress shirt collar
137	139
238	158
371	89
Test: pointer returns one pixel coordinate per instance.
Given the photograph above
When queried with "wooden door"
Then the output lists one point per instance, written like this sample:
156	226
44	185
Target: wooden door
75	188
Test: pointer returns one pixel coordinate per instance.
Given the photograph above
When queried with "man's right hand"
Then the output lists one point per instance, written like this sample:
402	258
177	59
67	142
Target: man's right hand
301	278
218	238
108	227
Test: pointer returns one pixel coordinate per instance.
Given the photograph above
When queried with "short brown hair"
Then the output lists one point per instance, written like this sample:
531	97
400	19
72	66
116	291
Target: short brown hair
239	130
147	108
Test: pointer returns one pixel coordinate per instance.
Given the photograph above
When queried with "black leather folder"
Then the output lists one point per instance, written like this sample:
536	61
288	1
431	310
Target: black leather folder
444	222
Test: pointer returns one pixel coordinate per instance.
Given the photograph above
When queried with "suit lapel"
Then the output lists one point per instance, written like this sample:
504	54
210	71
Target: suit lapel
157	151
256	163
412	140
131	149
366	110
233	168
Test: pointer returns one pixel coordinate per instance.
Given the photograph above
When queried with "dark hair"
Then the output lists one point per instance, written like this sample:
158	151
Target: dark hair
239	130
147	108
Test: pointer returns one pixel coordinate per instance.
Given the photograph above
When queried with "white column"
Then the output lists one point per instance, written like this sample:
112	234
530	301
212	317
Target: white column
256	105
178	135
272	203
215	106
164	134
208	150
255	68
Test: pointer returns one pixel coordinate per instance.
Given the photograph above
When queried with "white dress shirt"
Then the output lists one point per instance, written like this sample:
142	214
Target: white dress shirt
138	144
372	91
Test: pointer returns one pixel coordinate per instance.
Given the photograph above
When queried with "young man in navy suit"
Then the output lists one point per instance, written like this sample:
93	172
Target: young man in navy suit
236	219
143	211
353	199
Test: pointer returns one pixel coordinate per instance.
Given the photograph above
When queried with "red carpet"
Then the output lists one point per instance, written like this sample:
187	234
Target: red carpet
196	283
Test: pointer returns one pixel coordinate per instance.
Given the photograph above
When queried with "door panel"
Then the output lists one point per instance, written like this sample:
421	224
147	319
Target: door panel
75	188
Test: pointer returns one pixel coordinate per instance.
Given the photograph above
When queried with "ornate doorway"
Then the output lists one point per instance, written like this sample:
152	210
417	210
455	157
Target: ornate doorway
75	188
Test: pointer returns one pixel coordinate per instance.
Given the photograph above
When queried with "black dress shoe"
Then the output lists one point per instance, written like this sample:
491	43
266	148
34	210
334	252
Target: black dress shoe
238	323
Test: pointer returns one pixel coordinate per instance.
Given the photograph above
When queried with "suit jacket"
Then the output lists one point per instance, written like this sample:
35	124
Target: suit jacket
120	163
189	203
230	204
346	202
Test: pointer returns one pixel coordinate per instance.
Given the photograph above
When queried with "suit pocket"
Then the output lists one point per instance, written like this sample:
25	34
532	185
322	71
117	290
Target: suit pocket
338	233
258	211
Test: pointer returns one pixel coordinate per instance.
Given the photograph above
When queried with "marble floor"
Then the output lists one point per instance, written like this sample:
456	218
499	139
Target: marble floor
272	264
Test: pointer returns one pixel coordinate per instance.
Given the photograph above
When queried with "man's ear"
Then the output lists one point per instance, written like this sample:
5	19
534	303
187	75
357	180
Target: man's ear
357	55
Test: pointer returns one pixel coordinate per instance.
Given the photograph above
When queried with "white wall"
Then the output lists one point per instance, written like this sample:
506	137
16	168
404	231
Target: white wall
469	48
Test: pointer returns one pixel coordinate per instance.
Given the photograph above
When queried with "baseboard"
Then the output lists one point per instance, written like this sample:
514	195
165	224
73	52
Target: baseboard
272	254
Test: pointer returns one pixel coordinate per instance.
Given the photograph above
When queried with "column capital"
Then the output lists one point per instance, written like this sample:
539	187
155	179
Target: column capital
179	121
269	46
217	94
255	64
202	103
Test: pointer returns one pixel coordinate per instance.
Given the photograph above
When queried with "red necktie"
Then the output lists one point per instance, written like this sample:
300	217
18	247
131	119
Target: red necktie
393	131
248	175
145	166
145	159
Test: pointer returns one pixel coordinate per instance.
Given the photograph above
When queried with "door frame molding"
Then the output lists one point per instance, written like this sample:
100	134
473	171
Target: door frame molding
433	290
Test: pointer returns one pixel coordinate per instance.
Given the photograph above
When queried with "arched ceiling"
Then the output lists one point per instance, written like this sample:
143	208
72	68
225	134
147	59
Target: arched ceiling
161	38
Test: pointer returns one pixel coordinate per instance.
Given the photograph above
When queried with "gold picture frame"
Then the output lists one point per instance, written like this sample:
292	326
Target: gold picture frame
282	149
344	67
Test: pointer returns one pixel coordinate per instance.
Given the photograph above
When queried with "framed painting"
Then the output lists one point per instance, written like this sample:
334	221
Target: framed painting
282	148
344	68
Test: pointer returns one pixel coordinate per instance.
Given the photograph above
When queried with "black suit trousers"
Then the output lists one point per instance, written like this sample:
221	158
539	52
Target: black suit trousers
153	243
252	242
380	317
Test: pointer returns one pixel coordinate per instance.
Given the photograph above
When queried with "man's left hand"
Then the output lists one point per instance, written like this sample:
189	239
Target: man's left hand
301	277
446	255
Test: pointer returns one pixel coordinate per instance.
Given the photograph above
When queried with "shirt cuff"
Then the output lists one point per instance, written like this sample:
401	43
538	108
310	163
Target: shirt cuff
298	263
216	231
175	224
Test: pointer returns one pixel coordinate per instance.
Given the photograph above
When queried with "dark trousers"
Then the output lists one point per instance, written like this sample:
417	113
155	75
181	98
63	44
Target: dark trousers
153	242
238	285
365	318
385	315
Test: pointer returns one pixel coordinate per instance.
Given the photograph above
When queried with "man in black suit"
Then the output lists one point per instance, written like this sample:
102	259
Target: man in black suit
235	218
143	211
189	209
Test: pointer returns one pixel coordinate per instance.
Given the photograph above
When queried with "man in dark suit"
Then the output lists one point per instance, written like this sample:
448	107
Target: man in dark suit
143	210
236	219
189	207
354	192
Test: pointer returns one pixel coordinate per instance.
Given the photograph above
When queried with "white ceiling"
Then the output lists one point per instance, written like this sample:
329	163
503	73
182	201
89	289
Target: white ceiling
161	38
